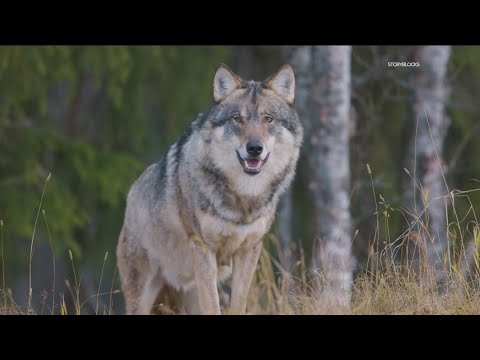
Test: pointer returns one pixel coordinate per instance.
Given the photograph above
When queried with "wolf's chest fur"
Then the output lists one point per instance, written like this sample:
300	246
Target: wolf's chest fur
228	220
226	238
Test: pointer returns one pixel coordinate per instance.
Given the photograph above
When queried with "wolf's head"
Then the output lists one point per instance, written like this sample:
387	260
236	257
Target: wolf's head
252	132
256	119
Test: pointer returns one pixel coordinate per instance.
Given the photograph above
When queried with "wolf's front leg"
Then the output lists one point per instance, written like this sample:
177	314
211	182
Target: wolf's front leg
244	265
205	269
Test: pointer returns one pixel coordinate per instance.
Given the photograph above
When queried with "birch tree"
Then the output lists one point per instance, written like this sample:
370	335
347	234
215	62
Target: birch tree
427	189
323	103
329	165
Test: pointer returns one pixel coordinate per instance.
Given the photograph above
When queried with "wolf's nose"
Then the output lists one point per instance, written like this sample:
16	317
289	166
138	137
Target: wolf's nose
254	147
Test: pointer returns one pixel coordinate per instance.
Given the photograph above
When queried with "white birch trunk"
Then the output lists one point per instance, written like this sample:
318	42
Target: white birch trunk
329	166
429	250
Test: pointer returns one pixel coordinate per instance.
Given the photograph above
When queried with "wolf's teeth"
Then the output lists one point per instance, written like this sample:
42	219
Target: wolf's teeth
253	167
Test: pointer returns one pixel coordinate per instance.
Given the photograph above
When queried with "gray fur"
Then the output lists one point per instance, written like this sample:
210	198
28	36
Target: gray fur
199	188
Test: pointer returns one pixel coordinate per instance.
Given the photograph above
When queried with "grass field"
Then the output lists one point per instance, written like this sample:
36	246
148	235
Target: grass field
388	284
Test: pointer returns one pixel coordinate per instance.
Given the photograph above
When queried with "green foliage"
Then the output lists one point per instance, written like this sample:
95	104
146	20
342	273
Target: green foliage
93	116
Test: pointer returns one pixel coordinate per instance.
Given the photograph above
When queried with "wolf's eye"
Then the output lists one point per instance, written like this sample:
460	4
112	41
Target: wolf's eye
268	118
237	118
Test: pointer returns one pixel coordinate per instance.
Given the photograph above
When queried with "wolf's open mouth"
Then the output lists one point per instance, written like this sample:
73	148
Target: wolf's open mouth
252	166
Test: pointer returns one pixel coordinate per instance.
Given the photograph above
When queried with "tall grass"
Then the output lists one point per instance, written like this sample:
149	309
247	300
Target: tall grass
388	284
31	246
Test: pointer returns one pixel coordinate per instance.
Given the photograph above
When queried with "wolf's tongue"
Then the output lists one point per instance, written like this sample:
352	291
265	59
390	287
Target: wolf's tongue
252	163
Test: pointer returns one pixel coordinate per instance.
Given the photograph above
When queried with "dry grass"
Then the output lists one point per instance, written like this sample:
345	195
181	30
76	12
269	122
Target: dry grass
396	290
393	291
387	292
387	286
391	284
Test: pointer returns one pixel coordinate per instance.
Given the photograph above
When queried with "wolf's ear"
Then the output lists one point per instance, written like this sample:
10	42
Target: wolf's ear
283	83
224	83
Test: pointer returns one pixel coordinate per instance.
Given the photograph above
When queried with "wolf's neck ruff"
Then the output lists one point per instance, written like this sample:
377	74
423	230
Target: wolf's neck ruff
218	195
216	192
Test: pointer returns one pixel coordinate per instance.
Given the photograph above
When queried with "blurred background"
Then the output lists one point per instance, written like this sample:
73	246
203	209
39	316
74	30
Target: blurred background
95	116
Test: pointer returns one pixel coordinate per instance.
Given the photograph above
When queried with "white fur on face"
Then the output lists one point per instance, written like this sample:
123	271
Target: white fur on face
224	155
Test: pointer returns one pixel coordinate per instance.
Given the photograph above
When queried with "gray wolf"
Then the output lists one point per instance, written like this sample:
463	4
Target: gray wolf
197	217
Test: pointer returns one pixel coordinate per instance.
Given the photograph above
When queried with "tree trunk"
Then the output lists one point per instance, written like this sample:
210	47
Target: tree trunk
328	159
428	246
300	58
